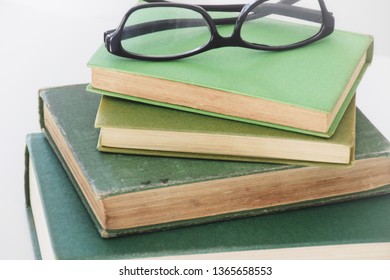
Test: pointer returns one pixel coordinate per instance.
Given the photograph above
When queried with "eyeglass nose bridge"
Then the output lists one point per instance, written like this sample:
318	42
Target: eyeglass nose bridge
219	41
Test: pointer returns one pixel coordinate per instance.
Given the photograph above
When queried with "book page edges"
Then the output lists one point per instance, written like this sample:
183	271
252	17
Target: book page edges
234	146
169	93
261	191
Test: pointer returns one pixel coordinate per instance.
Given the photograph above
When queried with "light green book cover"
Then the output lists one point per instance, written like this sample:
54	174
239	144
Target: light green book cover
138	128
305	90
132	193
62	229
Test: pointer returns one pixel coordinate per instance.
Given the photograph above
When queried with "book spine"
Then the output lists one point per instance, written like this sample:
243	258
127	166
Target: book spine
29	214
26	174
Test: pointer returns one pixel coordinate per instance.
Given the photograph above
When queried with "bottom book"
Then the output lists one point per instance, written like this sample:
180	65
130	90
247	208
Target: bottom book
62	229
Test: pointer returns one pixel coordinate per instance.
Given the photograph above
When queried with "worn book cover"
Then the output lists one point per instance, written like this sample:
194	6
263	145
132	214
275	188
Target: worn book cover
137	128
62	229
128	194
305	90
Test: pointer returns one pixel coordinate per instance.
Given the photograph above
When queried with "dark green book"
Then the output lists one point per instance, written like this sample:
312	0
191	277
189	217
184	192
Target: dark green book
132	193
62	229
136	128
305	90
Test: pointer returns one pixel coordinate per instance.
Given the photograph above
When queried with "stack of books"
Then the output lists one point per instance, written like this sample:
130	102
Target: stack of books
262	155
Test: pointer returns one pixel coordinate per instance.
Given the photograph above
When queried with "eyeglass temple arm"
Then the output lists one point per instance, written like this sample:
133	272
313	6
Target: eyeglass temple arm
288	11
266	9
211	8
283	7
225	7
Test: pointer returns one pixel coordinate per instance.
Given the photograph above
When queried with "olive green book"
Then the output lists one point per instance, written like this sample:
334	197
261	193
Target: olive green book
133	193
305	90
139	128
62	229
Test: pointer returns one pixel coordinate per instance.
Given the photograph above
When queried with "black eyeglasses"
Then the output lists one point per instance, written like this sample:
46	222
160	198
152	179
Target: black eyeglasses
161	30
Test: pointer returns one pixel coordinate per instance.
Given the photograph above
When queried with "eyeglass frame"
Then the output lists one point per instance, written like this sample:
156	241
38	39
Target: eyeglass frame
113	38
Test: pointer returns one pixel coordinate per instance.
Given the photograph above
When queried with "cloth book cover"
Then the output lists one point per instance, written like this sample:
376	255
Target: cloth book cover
305	90
62	229
132	193
138	128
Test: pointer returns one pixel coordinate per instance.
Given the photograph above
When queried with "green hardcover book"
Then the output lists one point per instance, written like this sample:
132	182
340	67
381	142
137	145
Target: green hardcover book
133	193
138	128
351	230
305	90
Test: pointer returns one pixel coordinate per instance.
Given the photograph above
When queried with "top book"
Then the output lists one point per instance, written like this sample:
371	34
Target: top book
305	90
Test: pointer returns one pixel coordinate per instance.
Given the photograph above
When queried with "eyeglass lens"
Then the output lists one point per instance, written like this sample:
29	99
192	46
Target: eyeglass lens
182	30
274	24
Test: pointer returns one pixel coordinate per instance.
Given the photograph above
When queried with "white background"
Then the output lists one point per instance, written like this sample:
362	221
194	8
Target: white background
48	43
